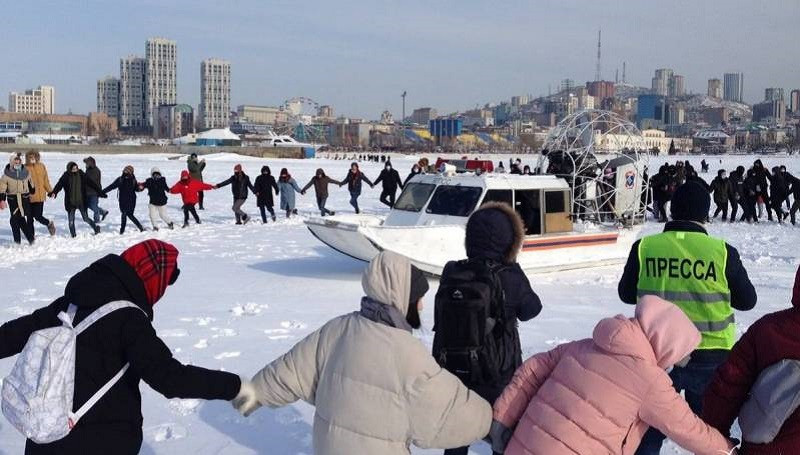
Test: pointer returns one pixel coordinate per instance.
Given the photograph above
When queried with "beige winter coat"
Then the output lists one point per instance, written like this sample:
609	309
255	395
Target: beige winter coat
39	176
376	388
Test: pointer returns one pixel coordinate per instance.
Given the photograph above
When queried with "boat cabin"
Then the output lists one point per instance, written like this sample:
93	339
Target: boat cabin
542	201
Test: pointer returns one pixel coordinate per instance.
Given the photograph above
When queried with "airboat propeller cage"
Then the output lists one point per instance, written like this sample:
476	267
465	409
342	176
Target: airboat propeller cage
603	158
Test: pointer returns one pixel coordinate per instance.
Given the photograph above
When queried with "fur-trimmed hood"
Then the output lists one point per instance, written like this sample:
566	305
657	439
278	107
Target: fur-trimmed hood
494	231
32	154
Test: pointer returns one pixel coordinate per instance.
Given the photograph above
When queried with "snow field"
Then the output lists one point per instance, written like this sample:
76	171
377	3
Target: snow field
248	293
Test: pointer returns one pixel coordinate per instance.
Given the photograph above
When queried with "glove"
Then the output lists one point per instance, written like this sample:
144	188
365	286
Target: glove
51	195
246	402
103	195
499	435
303	192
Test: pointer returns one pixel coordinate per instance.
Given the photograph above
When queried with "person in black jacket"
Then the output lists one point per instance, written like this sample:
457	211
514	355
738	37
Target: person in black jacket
263	187
736	194
762	178
415	170
353	182
751	191
126	186
75	183
92	197
240	183
391	180
779	191
495	234
139	275
795	190
157	190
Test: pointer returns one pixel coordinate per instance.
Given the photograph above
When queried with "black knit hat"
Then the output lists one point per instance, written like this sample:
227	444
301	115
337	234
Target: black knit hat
690	202
419	285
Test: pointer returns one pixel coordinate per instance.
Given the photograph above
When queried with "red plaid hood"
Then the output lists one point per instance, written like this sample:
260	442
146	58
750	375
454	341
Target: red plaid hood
154	262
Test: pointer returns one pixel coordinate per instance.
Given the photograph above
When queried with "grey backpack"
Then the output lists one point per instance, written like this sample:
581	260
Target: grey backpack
773	399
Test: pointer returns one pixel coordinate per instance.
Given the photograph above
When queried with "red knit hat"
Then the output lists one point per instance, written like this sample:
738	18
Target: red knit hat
156	263
796	293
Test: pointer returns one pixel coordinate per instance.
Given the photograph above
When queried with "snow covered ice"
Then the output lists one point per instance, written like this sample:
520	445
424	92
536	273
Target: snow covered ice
247	293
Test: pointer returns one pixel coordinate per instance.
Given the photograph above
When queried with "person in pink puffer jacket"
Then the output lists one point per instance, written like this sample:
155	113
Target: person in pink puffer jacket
599	395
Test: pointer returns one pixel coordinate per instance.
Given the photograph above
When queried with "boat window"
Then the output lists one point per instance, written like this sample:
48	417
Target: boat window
414	196
497	196
454	200
528	206
554	201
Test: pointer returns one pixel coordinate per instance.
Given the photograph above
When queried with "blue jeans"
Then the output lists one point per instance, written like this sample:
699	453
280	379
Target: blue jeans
92	203
693	379
354	201
321	205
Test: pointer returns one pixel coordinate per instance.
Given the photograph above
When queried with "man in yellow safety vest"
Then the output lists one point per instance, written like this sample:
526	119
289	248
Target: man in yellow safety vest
702	275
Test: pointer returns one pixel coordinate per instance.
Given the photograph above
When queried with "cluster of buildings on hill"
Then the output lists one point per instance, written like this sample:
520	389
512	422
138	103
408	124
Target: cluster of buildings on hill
142	101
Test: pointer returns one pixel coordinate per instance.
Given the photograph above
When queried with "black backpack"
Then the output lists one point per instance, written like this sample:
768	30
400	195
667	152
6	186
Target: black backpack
469	322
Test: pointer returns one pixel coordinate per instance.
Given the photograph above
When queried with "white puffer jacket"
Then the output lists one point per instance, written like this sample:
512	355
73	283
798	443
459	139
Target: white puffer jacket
376	388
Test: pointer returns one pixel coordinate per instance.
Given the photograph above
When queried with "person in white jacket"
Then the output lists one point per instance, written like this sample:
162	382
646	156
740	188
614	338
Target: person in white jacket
376	388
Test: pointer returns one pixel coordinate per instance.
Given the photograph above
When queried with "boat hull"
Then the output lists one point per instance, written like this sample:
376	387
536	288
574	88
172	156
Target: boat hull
430	247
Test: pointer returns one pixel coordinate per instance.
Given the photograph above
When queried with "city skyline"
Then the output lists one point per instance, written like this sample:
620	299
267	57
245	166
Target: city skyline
447	58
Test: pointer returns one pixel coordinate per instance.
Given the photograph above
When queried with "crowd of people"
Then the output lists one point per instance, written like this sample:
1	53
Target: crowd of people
25	186
757	191
378	389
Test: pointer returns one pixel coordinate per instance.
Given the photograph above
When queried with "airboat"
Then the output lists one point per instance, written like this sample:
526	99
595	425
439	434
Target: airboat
583	209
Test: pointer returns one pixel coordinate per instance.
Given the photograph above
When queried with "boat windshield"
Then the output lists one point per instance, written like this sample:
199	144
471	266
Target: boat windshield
454	200
414	196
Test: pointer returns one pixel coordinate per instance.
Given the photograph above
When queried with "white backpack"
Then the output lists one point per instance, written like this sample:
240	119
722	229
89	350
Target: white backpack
37	394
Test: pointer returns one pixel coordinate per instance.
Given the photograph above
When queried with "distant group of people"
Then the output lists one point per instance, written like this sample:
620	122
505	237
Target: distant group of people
25	185
757	191
377	389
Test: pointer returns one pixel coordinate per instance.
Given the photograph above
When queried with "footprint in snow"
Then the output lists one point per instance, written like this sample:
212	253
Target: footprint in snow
202	344
248	309
165	432
294	325
227	355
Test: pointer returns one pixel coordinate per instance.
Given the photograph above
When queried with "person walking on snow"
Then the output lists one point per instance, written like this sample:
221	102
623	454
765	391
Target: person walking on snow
721	188
16	188
770	348
494	236
41	181
320	181
287	186
375	388
263	186
240	183
599	395
190	190
391	180
195	168
127	187
415	170
92	197
75	184
701	275
157	190
140	276
353	182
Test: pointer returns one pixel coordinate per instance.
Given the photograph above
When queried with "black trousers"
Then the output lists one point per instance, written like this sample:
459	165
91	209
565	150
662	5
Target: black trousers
387	197
84	217
37	208
21	225
200	199
129	216
187	209
264	209
734	209
722	208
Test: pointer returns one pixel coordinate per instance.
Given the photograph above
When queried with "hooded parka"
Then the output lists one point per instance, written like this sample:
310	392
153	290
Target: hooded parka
375	387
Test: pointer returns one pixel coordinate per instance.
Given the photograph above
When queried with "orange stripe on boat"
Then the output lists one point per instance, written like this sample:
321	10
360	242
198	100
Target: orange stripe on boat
571	241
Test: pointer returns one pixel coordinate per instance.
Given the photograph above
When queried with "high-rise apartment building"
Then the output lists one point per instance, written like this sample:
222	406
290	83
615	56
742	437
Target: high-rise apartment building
773	112
108	96
734	87
660	82
715	88
794	101
676	85
132	79
215	93
773	94
161	76
41	100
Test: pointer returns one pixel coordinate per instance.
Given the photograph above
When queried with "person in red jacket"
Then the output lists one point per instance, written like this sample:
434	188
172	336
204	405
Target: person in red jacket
769	340
190	189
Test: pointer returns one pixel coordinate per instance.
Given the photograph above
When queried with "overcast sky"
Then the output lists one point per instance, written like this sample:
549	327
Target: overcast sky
359	56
